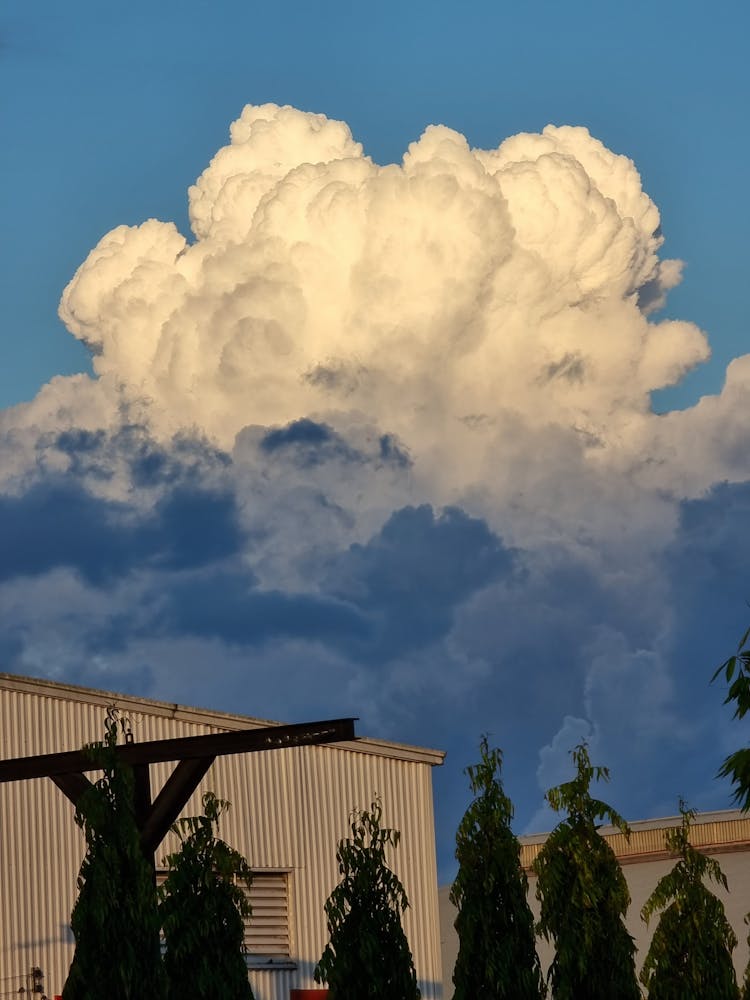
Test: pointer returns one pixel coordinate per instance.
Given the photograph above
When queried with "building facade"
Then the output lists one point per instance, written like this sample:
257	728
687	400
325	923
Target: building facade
644	861
290	807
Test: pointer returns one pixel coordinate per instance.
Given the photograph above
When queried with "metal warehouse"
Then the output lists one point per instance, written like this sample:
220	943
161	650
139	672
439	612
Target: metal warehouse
290	807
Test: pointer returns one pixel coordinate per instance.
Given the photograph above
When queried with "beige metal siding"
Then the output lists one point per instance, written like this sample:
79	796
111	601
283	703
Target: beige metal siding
406	794
289	809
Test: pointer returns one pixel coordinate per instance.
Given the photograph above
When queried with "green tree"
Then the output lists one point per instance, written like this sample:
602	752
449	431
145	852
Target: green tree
690	957
115	919
203	911
367	955
745	988
584	895
736	766
736	670
497	958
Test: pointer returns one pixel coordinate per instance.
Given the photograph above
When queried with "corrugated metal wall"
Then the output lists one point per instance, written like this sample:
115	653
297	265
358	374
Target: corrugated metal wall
289	809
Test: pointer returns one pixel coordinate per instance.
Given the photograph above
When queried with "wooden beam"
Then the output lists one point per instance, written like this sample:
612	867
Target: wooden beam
72	785
168	804
141	793
51	765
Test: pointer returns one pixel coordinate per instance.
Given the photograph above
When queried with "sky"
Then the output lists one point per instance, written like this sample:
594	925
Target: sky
421	395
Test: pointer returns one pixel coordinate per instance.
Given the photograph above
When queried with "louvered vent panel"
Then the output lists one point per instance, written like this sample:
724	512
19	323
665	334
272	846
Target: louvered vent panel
267	931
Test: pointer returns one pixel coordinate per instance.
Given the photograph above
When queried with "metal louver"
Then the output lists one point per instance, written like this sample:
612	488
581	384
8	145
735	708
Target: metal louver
267	931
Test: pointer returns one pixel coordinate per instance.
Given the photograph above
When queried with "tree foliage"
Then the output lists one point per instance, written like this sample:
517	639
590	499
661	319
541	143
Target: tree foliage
203	911
690	957
497	958
736	671
115	920
584	895
736	766
368	954
745	988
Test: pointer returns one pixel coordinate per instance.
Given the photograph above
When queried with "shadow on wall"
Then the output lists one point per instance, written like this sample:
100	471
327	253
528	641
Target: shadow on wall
65	936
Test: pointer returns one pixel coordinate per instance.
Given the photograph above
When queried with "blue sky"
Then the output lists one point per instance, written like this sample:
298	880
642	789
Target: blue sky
110	111
424	585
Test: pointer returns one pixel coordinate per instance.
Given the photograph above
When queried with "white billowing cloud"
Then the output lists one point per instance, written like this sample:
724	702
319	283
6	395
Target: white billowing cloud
443	297
555	766
268	143
686	451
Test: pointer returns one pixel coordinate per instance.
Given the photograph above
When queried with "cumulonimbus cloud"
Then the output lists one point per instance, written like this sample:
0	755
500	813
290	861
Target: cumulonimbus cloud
364	369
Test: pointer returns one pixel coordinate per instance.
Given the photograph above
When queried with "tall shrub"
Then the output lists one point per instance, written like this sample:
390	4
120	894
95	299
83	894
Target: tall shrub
690	957
736	766
584	895
368	955
115	920
203	911
736	670
497	958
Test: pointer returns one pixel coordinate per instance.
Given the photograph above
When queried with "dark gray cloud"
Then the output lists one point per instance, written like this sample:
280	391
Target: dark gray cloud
708	567
226	605
192	527
411	576
134	678
307	443
58	521
149	463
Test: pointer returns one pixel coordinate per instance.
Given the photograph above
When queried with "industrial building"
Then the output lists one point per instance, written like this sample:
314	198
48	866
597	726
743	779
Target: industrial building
290	807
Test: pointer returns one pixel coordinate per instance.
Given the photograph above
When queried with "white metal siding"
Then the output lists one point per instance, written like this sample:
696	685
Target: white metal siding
289	809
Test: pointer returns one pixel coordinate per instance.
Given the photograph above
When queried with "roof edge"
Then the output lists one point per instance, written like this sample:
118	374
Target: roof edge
64	691
657	823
